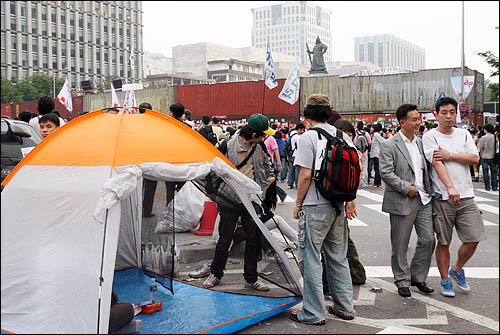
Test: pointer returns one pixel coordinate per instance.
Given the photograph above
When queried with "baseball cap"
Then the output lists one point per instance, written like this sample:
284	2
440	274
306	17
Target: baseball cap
259	122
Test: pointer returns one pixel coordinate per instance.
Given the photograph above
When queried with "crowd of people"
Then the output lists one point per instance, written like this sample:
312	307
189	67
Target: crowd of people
427	170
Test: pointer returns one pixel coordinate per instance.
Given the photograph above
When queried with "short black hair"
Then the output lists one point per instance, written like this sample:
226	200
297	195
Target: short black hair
421	128
402	111
300	125
49	117
57	113
489	128
446	101
318	113
45	105
274	126
144	106
360	125
345	125
247	133
187	112
377	127
215	119
177	109
25	116
278	135
205	119
284	130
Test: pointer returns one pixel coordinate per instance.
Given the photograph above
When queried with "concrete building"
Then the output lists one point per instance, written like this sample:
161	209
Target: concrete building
224	70
290	26
88	40
162	80
156	63
389	51
341	68
192	59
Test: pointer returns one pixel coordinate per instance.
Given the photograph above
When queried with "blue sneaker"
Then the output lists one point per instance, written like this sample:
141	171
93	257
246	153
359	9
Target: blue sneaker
459	277
447	288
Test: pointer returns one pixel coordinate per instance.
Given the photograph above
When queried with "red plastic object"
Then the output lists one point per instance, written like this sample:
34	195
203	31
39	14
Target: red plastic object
148	309
207	219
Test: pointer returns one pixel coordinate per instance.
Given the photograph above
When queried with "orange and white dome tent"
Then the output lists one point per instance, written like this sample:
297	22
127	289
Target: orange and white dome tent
61	213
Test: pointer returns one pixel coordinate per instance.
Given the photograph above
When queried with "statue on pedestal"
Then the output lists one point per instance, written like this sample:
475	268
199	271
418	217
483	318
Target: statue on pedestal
317	62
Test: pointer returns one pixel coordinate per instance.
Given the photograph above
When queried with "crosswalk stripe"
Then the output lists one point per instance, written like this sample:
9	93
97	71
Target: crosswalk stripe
488	192
370	195
356	223
289	199
470	272
488	223
488	208
376	208
476	198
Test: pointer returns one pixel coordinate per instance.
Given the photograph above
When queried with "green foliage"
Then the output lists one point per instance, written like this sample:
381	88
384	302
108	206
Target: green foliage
9	92
30	88
492	61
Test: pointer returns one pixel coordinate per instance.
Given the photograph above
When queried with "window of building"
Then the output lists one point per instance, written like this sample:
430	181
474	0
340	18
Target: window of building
14	57
53	15
54	47
13	25
54	31
44	28
80	35
35	61
54	62
72	19
13	7
361	52
380	51
371	52
44	13
13	40
72	33
33	11
89	22
63	49
13	77
63	18
24	27
80	51
34	26
45	62
3	57
80	20
81	66
73	69
72	49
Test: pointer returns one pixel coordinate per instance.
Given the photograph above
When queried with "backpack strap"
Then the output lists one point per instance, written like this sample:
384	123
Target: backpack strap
243	162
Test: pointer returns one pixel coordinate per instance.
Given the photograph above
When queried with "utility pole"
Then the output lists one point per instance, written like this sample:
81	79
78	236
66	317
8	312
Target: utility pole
463	56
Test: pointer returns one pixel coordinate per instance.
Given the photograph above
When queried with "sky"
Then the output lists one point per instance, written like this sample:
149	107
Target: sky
433	25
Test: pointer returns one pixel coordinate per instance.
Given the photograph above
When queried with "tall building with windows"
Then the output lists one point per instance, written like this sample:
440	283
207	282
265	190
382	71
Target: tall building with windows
89	40
389	51
290	26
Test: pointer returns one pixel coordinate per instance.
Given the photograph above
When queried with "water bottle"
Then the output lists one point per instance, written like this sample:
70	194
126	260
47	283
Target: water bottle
153	288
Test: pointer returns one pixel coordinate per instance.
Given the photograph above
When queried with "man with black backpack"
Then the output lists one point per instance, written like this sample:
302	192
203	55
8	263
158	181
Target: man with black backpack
324	185
207	131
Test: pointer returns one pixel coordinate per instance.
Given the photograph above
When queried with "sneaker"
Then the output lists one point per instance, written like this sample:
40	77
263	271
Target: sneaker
258	285
343	315
202	271
447	288
211	281
459	277
290	187
295	317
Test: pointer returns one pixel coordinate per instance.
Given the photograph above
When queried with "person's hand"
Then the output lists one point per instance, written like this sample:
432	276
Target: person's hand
453	194
413	192
296	211
350	210
270	180
442	155
280	168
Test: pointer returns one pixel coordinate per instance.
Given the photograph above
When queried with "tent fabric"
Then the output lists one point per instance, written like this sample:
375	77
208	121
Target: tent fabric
76	199
210	311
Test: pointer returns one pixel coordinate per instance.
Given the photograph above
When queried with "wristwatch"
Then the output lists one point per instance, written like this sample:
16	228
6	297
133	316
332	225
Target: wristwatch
296	205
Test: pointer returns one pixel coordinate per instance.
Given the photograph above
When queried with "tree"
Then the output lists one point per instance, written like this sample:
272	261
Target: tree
10	92
492	61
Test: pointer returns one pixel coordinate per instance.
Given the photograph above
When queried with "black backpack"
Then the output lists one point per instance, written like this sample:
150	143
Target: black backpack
338	177
287	147
208	133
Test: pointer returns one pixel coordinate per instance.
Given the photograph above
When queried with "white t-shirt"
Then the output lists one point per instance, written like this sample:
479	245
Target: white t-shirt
460	142
305	155
294	142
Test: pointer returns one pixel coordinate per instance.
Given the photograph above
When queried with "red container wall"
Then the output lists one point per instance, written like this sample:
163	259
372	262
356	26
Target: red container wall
236	100
13	110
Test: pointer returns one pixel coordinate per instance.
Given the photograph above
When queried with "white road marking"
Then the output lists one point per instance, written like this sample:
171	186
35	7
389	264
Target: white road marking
470	272
407	330
289	199
488	208
356	223
377	208
365	297
476	198
488	223
370	195
454	310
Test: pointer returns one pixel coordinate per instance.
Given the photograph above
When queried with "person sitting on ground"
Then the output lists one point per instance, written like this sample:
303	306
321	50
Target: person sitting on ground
48	123
121	317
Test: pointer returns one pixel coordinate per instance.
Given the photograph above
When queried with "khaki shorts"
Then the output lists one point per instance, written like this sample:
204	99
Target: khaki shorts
464	216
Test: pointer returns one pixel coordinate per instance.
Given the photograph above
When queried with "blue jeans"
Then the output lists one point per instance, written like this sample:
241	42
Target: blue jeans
487	166
293	172
320	228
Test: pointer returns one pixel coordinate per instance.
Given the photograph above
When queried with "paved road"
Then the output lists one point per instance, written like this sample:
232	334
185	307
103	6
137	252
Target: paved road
387	312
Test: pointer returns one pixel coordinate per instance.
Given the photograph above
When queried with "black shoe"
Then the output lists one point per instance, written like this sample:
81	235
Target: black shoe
422	287
294	316
404	292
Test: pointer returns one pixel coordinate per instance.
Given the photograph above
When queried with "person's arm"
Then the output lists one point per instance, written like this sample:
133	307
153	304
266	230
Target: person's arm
278	159
444	155
304	180
386	162
445	179
350	210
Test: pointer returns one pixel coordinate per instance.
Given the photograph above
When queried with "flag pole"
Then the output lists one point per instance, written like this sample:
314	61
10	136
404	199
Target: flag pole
463	60
263	92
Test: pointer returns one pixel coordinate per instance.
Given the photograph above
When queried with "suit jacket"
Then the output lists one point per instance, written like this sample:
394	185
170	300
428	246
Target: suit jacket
396	169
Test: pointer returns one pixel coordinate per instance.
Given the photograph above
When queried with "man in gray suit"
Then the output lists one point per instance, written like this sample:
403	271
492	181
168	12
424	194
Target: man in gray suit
407	199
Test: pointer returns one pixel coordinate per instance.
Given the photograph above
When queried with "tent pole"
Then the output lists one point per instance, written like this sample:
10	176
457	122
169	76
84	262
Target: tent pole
101	279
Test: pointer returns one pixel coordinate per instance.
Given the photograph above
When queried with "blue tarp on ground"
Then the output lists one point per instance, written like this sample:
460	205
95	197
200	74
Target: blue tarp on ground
193	309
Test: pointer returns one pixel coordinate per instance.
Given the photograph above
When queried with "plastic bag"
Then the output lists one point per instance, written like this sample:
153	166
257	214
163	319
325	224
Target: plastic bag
159	258
189	205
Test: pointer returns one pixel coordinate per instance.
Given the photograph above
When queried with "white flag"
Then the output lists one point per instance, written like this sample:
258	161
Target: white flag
290	91
114	97
64	96
131	58
467	85
459	117
129	100
269	75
